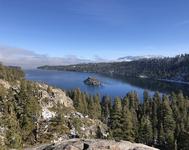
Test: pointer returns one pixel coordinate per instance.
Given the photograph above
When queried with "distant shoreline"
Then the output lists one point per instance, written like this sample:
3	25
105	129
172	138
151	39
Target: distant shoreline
164	80
174	81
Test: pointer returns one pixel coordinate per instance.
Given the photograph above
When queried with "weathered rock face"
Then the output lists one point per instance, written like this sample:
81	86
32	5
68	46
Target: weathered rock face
54	105
92	81
58	96
51	100
75	124
78	144
5	84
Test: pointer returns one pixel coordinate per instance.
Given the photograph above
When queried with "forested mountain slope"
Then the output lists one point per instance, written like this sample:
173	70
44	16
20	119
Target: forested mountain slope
161	121
33	113
176	68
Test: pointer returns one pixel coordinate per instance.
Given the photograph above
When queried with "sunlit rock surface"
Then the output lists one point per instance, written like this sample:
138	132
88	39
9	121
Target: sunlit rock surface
93	144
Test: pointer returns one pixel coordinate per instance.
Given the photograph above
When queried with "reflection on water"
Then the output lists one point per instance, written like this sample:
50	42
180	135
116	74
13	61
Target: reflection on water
112	86
155	85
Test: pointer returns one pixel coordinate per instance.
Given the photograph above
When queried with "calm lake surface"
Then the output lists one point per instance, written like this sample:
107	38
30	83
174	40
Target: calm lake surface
111	86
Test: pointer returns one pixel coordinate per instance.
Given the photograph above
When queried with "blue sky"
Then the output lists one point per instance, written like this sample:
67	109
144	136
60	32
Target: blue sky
91	29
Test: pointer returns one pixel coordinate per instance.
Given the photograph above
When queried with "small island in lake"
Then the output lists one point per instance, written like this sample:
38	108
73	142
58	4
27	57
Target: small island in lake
92	81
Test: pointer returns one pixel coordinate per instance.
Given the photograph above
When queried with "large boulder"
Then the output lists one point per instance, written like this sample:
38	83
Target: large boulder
96	144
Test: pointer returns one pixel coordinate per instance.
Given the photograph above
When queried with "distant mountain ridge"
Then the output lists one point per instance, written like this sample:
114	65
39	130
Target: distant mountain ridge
174	69
132	58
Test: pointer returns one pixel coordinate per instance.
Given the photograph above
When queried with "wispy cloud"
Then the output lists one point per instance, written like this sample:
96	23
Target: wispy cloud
29	59
97	58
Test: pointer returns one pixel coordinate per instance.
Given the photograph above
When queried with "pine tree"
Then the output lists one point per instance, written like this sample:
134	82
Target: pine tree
187	123
106	108
9	121
158	106
183	141
182	106
168	122
133	100
161	136
146	103
97	106
115	123
13	136
27	110
127	125
157	99
84	103
78	101
3	92
177	117
145	131
91	109
134	108
154	122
